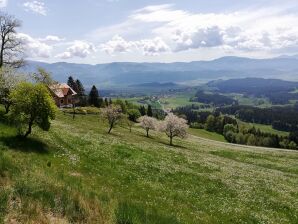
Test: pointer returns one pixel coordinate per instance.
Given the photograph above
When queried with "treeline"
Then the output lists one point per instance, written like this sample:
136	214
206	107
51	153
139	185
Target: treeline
281	118
212	98
233	131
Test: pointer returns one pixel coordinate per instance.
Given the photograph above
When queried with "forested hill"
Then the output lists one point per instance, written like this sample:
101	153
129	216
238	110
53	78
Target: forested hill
136	73
253	85
277	91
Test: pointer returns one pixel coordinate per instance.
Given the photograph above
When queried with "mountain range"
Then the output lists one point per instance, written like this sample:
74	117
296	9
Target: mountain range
130	73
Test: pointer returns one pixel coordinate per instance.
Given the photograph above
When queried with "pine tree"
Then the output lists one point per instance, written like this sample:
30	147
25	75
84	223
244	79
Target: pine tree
81	93
94	98
110	101
80	87
142	110
149	111
106	102
72	84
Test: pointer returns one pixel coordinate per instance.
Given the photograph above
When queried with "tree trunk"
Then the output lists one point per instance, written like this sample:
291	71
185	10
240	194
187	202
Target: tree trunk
147	130
111	127
73	112
29	129
7	106
171	140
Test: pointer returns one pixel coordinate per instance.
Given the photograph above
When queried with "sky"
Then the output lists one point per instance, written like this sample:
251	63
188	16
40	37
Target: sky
102	31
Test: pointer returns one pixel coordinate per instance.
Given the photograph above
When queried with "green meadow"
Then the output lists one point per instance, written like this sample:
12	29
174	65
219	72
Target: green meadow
77	173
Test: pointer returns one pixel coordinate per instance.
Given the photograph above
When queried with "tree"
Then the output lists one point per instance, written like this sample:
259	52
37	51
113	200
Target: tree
8	82
210	123
148	123
81	93
72	83
32	104
43	77
113	115
174	126
94	98
11	49
142	110
80	88
149	111
106	102
133	115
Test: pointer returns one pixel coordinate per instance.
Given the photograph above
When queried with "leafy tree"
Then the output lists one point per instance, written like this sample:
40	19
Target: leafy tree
148	123
133	114
11	47
122	105
9	79
113	115
32	104
174	126
210	123
94	98
110	101
43	77
149	111
251	140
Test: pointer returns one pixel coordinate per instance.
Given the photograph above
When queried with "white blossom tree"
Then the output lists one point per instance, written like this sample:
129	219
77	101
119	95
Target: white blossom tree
113	114
174	126
148	123
9	79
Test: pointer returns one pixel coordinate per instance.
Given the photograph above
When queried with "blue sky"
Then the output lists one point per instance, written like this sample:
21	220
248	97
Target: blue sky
100	31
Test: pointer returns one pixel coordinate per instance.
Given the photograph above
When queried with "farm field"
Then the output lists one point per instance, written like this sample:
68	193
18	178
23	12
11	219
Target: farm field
77	173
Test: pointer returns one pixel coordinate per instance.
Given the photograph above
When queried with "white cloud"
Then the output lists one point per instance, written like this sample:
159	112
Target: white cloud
79	49
34	48
256	29
153	46
52	38
3	3
36	6
148	46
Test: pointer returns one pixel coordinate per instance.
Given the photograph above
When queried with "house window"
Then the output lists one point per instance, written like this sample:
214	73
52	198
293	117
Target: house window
61	101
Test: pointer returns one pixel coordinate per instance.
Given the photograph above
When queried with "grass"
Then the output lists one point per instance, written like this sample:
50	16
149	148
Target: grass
202	133
265	128
178	100
78	173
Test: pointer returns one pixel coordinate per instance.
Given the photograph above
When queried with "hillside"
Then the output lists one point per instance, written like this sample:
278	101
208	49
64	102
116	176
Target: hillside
76	173
121	73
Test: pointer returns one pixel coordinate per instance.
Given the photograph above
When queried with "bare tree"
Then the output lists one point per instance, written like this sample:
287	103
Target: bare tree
11	51
113	115
174	126
147	123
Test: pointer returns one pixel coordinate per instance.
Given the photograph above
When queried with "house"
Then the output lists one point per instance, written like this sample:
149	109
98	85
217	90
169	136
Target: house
63	95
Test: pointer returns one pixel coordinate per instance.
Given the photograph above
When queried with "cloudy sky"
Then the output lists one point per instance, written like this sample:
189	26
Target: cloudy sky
100	31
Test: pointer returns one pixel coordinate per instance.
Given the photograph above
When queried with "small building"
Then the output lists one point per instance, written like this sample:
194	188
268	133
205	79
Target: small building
63	95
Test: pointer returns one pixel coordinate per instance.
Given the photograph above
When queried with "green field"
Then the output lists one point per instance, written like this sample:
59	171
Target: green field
77	173
265	128
202	133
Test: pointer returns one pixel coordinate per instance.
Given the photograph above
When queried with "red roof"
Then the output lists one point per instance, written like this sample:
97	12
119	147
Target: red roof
62	89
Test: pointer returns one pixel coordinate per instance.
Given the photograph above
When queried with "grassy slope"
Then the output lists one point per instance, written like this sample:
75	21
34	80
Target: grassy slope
77	172
207	134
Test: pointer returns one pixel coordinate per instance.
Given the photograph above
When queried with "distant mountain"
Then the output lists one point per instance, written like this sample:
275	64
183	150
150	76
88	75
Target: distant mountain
114	74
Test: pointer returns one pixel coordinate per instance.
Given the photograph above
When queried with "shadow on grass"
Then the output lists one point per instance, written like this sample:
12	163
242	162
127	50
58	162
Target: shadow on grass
24	144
